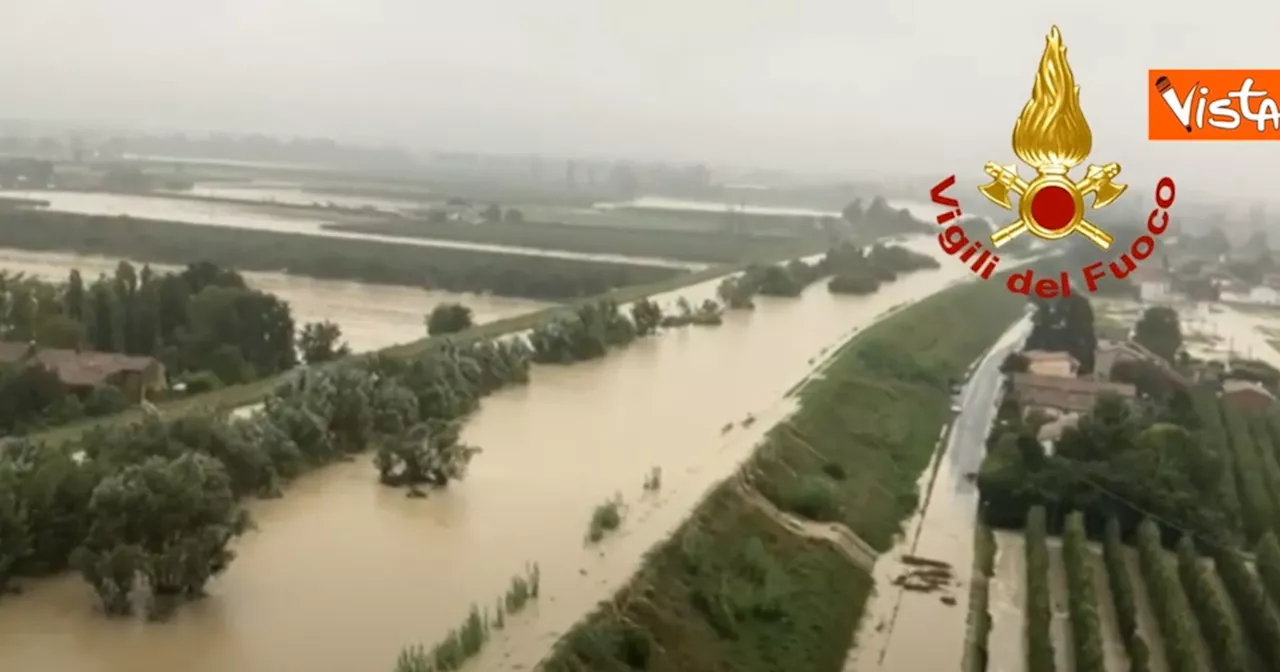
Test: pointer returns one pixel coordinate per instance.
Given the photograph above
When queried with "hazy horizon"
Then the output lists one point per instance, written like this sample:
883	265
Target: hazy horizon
818	86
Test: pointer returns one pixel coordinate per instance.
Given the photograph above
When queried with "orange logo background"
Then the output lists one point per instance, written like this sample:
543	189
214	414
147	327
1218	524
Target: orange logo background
1213	105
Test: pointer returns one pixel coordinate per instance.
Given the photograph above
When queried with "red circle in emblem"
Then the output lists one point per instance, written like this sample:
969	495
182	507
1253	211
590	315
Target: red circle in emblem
1053	207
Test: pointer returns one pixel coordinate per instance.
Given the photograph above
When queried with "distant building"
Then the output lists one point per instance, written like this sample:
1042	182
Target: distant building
1154	291
1247	394
1112	352
83	370
1057	395
1051	363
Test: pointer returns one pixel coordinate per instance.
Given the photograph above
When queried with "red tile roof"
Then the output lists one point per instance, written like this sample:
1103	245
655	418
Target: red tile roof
82	368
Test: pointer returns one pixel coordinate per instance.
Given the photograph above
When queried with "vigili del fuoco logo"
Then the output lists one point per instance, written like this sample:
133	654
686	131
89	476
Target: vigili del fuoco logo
1052	136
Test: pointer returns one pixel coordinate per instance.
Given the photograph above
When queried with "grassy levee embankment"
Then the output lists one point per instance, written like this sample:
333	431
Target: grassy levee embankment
731	589
693	245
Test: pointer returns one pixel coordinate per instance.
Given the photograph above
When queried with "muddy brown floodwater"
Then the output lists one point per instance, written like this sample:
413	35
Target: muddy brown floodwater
1060	628
342	573
371	316
1006	644
267	218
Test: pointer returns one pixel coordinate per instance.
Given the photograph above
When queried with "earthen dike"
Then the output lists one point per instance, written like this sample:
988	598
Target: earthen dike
983	262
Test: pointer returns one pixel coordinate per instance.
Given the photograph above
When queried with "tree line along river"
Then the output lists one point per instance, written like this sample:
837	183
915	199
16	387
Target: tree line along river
342	573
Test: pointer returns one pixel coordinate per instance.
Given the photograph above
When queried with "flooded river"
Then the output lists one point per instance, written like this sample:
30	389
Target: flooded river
371	317
294	194
265	218
342	573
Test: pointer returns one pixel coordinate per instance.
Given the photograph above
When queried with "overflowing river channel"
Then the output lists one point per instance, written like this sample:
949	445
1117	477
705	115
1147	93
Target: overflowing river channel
341	573
371	316
268	218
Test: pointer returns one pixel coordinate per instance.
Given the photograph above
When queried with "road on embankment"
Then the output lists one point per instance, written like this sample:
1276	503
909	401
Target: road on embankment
899	619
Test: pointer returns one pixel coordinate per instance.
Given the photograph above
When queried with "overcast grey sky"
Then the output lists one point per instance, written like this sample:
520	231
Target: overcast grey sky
897	86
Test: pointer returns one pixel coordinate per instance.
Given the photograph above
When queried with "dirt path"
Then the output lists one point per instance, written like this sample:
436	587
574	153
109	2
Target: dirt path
838	535
1060	629
1116	657
1148	624
1006	644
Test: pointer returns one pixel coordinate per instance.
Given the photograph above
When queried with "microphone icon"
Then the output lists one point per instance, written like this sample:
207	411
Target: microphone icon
1165	88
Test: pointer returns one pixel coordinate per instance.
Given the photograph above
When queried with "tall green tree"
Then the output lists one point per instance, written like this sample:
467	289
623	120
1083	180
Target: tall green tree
321	342
75	296
448	318
1065	325
1159	331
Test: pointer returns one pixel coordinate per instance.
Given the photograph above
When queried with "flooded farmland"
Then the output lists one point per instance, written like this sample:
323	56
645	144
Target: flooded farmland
265	218
342	573
371	317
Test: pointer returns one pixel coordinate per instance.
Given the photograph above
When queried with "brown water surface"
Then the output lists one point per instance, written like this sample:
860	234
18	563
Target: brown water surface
371	316
266	218
342	573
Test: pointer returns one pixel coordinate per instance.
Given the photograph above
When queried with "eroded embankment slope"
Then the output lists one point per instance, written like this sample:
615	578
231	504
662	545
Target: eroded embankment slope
734	588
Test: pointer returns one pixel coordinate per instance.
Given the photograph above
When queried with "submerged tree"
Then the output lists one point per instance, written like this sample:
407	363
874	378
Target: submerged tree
429	453
163	523
448	318
322	342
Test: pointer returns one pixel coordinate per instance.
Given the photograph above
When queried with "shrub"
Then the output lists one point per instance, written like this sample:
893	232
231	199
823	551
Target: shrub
810	497
465	642
980	597
199	382
1268	554
1086	633
1039	608
605	518
1257	611
1177	624
1256	508
1122	594
448	318
1220	632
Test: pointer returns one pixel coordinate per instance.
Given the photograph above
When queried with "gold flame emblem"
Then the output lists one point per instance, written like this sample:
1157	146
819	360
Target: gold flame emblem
1052	136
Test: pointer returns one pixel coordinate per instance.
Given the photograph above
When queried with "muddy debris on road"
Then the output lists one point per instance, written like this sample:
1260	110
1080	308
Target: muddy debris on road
925	575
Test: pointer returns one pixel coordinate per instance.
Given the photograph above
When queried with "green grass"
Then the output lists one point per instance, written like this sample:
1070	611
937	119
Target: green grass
875	413
731	590
715	599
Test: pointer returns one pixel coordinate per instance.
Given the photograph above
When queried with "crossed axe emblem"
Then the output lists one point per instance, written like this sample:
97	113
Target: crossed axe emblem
1049	186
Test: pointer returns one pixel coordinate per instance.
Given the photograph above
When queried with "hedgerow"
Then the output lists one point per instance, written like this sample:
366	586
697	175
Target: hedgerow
1256	507
1226	644
1086	635
1177	623
1257	611
1039	608
1268	561
1214	437
1125	599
